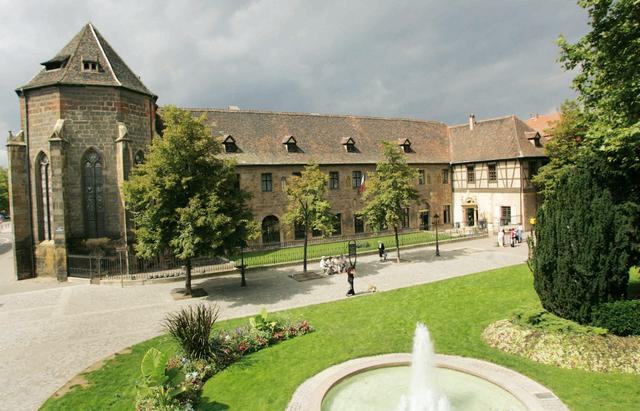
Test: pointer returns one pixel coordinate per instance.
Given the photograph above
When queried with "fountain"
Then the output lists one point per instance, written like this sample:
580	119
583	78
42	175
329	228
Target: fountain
424	394
422	381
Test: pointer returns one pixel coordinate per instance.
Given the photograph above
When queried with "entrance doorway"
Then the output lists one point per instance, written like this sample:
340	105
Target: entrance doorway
270	230
424	220
471	217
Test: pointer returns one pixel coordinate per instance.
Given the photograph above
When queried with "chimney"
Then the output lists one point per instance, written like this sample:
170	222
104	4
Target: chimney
472	121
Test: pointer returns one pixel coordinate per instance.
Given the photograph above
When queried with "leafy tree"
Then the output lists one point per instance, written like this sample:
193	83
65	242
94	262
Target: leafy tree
308	206
184	198
389	192
608	85
583	245
563	149
4	191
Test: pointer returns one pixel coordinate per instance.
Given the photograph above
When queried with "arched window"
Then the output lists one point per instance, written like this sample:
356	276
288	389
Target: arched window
270	230
139	158
93	194
43	197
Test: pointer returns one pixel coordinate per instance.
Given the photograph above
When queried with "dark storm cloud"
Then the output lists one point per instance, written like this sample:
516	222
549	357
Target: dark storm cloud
432	60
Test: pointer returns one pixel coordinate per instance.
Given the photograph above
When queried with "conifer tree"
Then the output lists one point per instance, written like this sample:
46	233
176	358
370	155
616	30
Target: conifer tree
583	245
389	192
184	198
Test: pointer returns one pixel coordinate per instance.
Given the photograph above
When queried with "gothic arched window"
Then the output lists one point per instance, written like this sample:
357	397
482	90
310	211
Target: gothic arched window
43	197
93	194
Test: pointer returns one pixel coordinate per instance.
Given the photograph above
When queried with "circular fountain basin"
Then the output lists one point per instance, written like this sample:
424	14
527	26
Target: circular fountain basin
382	389
380	381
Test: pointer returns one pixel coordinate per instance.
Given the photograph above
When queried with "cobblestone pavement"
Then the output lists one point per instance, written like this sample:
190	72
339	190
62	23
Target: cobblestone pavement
52	332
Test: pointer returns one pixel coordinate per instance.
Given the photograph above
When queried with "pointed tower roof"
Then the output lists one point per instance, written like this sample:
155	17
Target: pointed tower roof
88	59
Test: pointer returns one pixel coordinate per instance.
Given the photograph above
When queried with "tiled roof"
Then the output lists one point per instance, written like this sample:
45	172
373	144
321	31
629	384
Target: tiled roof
542	123
495	139
321	138
87	45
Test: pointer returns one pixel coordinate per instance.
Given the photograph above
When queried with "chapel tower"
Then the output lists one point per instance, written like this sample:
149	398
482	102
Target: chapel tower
86	118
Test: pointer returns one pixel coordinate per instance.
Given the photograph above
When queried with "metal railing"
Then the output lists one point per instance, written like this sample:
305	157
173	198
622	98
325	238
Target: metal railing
126	266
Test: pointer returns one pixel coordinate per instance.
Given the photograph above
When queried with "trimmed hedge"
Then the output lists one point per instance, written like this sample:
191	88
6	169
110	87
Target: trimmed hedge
619	317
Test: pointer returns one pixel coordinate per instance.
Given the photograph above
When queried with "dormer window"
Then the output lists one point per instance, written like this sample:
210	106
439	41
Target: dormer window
349	144
533	137
90	65
405	144
291	143
55	63
229	144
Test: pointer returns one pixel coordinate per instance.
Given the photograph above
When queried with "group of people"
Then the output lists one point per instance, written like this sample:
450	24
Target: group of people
333	265
510	236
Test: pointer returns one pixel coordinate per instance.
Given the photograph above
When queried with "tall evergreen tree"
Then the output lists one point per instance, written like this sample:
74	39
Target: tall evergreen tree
308	206
184	198
389	192
583	246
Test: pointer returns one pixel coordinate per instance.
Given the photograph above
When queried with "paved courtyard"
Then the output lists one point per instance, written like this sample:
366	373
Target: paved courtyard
51	332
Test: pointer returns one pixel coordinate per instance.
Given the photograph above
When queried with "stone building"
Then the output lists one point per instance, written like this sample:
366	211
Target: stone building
86	119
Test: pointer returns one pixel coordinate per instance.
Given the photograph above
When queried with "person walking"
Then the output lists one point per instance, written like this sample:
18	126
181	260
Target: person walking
513	237
351	273
381	252
501	238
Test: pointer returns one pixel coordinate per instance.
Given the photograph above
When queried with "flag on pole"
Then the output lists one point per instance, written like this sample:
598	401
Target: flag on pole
362	181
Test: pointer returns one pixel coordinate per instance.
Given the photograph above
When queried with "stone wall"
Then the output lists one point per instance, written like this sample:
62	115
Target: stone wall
345	200
91	117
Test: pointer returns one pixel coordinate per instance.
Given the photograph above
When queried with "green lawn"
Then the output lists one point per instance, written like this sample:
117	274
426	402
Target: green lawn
455	310
293	254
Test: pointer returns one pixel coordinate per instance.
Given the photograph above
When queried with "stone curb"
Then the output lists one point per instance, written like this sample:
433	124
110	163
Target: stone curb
534	396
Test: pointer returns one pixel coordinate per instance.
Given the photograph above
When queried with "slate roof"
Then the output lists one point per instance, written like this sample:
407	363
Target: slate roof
495	139
87	45
320	138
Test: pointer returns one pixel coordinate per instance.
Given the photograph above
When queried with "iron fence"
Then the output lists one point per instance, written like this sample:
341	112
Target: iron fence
125	266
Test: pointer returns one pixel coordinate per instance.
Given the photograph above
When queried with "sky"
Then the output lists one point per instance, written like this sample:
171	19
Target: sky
424	59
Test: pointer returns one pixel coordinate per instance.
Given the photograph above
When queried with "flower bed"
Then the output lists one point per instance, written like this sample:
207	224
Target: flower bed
587	351
174	383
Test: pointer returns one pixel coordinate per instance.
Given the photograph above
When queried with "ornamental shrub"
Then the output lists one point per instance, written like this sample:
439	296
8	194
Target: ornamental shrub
619	317
584	245
191	328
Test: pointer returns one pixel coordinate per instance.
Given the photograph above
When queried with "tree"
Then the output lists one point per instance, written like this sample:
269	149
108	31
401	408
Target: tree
608	85
184	198
587	234
4	191
307	204
564	148
389	192
583	245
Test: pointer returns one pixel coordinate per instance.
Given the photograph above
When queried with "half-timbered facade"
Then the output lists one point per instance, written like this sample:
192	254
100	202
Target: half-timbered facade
493	162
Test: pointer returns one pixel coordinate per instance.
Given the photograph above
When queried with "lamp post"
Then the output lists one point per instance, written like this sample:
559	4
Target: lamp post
436	220
243	282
